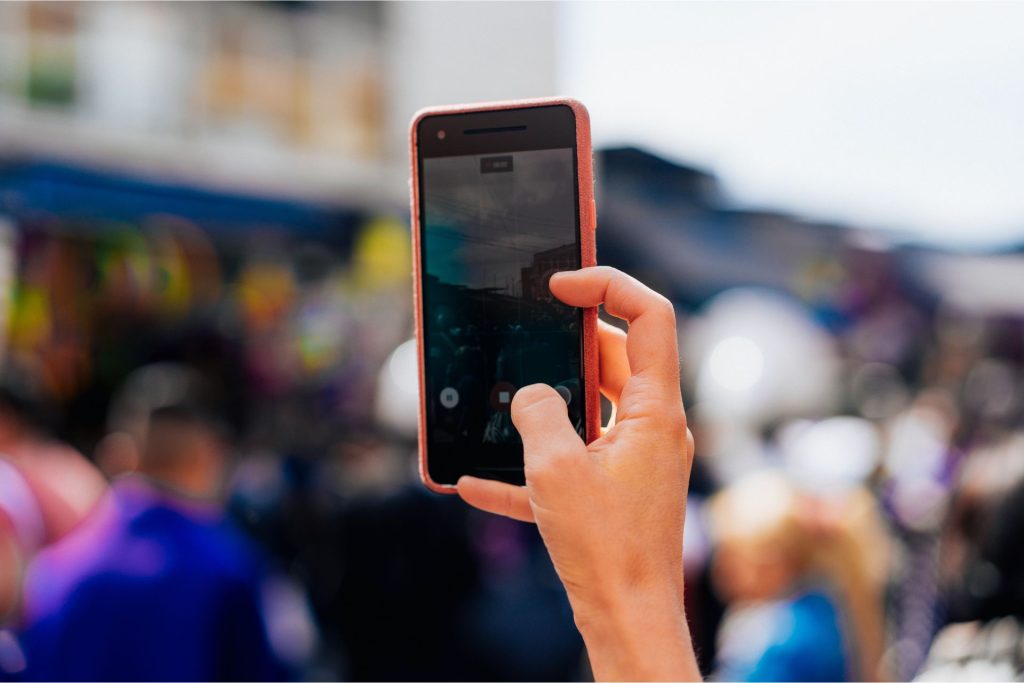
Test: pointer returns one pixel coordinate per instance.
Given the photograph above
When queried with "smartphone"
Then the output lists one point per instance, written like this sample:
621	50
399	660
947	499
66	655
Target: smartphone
502	198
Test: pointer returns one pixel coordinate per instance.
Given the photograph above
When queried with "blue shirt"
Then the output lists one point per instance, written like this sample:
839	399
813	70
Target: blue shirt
794	639
148	588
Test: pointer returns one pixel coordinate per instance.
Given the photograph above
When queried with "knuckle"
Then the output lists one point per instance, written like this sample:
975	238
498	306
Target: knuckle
541	476
549	468
507	502
539	472
674	421
664	307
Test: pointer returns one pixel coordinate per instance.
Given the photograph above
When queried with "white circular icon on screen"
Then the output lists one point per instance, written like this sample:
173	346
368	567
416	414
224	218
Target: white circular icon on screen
449	397
564	393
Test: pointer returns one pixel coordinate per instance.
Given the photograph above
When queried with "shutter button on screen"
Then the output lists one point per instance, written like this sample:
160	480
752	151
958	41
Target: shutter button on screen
564	393
501	396
449	397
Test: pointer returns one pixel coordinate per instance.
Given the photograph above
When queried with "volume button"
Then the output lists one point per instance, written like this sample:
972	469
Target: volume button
593	215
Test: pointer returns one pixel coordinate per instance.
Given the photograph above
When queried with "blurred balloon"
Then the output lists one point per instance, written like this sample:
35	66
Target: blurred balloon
758	356
736	364
833	455
397	404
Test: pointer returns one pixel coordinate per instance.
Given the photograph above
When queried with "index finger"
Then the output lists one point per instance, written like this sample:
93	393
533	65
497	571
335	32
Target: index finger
497	497
651	339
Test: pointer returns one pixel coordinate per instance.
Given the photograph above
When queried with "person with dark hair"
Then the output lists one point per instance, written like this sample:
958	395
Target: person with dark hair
156	584
984	567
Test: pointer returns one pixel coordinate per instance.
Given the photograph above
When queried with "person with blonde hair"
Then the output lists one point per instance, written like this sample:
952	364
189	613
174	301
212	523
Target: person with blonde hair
803	576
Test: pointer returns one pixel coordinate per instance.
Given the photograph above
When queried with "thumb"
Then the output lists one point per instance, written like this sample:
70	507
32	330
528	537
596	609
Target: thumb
542	418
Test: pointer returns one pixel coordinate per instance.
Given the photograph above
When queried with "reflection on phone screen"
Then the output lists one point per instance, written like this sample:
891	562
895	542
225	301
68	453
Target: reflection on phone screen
495	228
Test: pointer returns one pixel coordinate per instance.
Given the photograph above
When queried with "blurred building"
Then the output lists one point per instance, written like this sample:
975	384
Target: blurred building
225	186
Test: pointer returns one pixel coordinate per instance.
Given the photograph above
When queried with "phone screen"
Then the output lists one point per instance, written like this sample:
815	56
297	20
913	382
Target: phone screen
499	215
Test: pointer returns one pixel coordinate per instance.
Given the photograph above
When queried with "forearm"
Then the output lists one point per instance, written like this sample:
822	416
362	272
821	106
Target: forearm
643	635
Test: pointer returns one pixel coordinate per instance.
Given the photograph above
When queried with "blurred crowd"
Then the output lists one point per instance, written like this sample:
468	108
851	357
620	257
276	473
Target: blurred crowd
208	397
207	470
207	466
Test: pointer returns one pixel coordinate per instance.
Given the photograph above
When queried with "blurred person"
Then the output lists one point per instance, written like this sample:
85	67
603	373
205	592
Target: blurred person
804	600
982	565
918	479
980	503
413	586
405	576
46	487
704	607
155	584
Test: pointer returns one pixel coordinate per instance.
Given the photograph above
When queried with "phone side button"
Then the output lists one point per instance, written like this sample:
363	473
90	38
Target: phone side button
593	215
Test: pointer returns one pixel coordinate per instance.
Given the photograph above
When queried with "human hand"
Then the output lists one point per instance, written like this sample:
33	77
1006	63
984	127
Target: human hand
611	513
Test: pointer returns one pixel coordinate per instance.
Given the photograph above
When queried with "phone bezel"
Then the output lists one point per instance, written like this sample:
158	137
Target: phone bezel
528	125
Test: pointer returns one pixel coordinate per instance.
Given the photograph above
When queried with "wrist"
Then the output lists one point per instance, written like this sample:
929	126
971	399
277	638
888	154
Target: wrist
639	634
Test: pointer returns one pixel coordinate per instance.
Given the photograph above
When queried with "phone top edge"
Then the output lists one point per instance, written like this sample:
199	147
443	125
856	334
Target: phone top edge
448	109
449	133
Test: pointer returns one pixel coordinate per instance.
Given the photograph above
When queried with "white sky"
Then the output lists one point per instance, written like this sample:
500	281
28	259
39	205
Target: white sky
898	116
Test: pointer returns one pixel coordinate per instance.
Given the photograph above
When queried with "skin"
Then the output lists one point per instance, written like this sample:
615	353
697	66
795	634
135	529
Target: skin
186	457
611	513
747	570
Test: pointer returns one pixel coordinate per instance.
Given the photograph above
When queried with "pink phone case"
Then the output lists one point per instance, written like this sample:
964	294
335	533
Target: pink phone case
588	246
